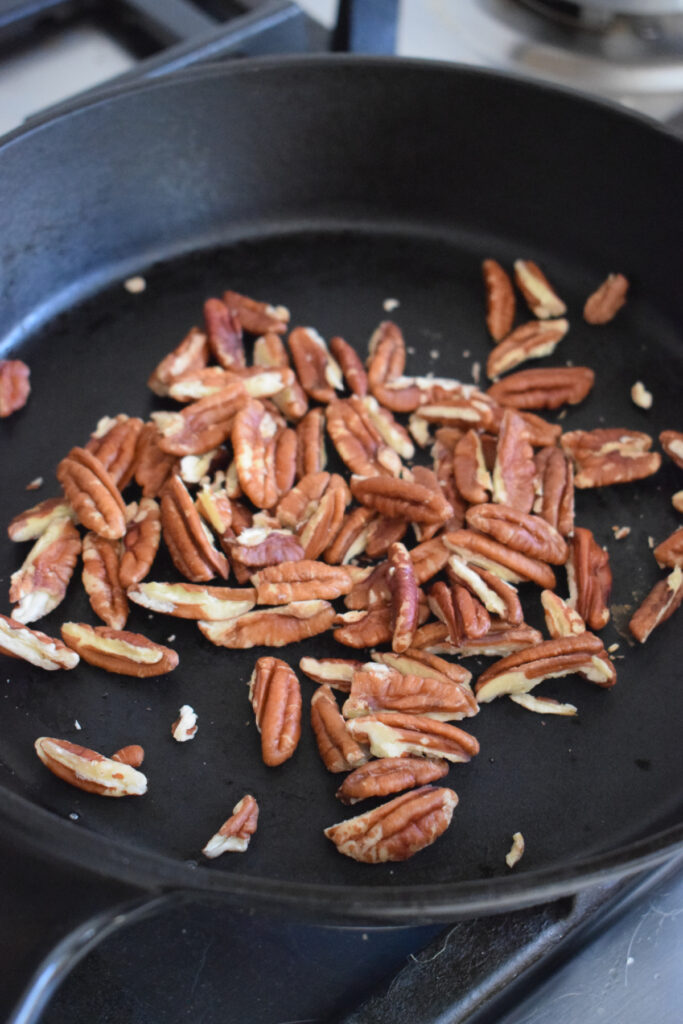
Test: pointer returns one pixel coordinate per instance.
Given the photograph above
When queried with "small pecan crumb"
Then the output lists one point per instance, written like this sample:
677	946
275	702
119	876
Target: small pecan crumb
620	532
516	850
35	484
612	648
185	726
641	396
390	304
135	285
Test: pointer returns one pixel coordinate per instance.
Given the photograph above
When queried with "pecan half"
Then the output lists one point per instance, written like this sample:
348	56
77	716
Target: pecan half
606	301
428	558
101	580
590	579
224	334
311	456
544	388
297	581
379	687
497	596
190	355
472	478
257	317
254	440
114	443
560	618
389	775
514	471
520	531
419	663
339	751
319	373
275	696
670	551
194	600
153	466
18	641
533	340
672	443
358	441
140	543
351	365
336	672
31	523
92	493
555	484
202	425
326	520
398	829
610	456
393	734
364	628
540	296
86	769
119	651
500	300
486	553
386	363
188	540
234	834
41	582
463	613
404	597
14	386
401	499
659	605
499	641
271	627
352	537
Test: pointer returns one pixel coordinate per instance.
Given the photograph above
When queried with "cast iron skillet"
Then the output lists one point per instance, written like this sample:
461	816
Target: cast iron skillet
330	185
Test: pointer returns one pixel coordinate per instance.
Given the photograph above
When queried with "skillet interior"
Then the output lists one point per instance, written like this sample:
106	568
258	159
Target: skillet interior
579	791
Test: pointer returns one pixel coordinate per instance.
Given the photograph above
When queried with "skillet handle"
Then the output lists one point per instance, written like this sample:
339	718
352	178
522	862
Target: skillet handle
51	918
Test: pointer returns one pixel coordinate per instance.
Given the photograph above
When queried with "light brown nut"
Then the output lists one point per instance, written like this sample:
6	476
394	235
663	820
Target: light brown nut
358	441
428	558
18	641
224	334
520	531
382	533
258	382
339	751
404	597
583	655
497	596
610	456
516	851
533	340
393	734
153	466
31	523
286	445
114	443
560	618
398	829
389	429
462	612
254	443
271	627
543	705
351	365
672	443
670	551
257	317
234	834
187	539
140	543
185	727
311	456
101	559
389	775
451	403
379	687
300	503
514	471
364	628
555	486
386	363
190	355
214	504
292	401
401	499
14	386
92	493
323	525
269	352
487	553
659	605
544	388
606	301
420	663
203	424
373	590
258	547
590	579
498	642
500	300
41	582
472	478
275	696
319	373
540	296
298	581
194	600
336	672
352	536
119	651
86	769
132	755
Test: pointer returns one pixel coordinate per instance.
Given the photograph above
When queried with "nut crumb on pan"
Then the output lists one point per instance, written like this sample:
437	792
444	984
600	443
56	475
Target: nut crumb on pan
516	850
640	396
135	285
612	648
620	532
185	726
35	484
389	305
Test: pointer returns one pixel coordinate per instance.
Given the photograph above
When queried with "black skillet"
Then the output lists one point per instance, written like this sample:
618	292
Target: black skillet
331	185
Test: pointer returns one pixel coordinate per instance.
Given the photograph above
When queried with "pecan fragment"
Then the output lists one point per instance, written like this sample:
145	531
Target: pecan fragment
102	581
520	531
140	543
393	734
543	705
659	605
472	478
153	466
31	523
386	363
498	642
533	340
500	300
404	597
358	441
193	600
398	829
224	334
389	775
275	696
185	727
544	388
41	582
92	493
391	432
401	499
339	751
487	553
296	581
351	538
203	424
18	641
190	355
254	440
86	769
555	483
119	651
497	596
259	546
319	373
311	456
672	443
516	850
606	301
590	579
188	541
234	834
670	551
351	366
257	317
560	618
114	443
14	386
514	471
540	296
378	687
132	755
336	672
326	520
364	628
272	627
610	456
419	663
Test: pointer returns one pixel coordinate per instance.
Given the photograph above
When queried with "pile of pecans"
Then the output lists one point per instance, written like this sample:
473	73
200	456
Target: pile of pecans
426	558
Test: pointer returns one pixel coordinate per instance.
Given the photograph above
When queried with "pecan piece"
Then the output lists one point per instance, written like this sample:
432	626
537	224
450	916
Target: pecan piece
500	300
393	734
300	503
257	317
398	829
514	471
378	687
540	296
404	597
234	834
31	523
555	484
590	579
351	366
270	352
672	443
499	641
533	340
297	581
41	582
311	456
352	536
190	355
336	672
497	596
14	386
389	775
670	552
19	641
319	373
271	627
610	456
659	605
86	769
543	705
185	727
419	663
101	580
382	533
254	442
114	443
326	520
463	613
428	558
188	541
391	432
203	424
358	441
401	499
386	363
153	466
472	478
140	543
193	600
258	383
339	751
275	696
544	388
520	531
583	655
119	651
487	553
92	493
364	628
606	301
224	334
259	546
560	618
132	755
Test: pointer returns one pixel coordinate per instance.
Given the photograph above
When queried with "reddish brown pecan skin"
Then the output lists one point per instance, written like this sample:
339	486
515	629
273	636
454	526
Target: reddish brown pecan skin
521	531
92	493
544	387
592	577
606	301
500	299
275	695
224	334
14	386
389	775
339	751
404	597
